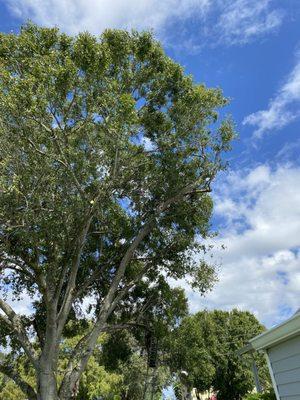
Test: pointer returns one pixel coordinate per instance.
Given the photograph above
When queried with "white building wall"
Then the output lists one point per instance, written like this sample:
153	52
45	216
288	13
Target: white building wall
284	360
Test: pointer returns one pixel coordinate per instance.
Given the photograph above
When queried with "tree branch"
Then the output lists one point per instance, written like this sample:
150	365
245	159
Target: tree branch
26	267
144	231
13	320
67	166
85	347
89	281
6	320
14	375
64	161
69	293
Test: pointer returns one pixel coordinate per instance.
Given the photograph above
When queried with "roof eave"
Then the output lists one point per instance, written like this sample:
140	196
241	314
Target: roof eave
278	334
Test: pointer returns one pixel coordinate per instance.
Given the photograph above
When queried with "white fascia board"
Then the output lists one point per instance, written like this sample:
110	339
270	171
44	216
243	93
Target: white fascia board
272	376
278	334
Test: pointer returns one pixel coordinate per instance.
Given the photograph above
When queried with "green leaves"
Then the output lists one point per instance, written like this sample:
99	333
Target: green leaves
75	114
206	345
104	140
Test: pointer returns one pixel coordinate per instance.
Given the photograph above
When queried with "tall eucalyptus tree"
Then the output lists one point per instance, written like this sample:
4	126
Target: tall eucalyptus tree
108	151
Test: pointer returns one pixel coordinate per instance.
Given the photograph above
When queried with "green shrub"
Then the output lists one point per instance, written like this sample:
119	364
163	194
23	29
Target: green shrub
269	395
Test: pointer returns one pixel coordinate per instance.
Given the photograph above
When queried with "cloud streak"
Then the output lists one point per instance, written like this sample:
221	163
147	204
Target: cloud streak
283	109
95	15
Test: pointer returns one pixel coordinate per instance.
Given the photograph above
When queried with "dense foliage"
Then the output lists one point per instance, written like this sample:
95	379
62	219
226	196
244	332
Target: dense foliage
108	152
118	368
205	345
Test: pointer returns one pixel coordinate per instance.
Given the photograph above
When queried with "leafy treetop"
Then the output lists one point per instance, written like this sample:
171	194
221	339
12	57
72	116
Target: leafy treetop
108	152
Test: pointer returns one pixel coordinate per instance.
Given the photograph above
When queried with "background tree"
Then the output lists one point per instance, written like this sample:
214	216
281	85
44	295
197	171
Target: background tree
267	395
108	152
234	377
205	345
127	352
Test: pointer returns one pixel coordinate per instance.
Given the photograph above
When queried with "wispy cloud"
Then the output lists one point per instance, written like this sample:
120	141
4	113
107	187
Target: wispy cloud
283	108
241	21
212	21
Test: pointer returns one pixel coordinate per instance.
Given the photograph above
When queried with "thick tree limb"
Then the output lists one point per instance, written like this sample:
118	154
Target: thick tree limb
15	323
6	320
122	293
69	294
14	375
144	231
85	347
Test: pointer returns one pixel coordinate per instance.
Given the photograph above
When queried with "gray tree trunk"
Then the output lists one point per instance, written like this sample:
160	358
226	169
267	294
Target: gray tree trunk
47	389
46	380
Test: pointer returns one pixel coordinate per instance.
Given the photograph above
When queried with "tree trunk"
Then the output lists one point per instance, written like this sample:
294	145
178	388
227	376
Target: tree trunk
47	387
46	377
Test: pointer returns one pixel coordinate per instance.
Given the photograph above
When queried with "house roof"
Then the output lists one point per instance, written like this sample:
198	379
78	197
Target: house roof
273	336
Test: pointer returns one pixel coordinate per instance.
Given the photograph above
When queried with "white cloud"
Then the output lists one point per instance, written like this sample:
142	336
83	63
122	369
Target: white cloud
260	266
229	21
243	20
283	108
96	15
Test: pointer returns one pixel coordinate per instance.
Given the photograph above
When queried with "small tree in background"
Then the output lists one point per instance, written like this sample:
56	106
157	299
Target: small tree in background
206	344
108	152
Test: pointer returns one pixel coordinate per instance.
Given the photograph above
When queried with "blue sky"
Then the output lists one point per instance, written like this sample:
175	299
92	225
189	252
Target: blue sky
251	49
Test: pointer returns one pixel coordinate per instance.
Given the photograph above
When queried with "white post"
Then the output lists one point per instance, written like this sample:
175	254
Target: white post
255	373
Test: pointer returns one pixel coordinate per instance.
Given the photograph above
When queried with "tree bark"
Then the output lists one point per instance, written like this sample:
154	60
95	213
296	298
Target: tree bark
46	375
47	389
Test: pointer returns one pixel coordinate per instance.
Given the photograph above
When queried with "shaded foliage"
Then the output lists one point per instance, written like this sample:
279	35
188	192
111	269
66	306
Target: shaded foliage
206	344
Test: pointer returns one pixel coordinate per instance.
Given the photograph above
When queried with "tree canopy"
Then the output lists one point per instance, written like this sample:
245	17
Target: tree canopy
108	153
206	344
